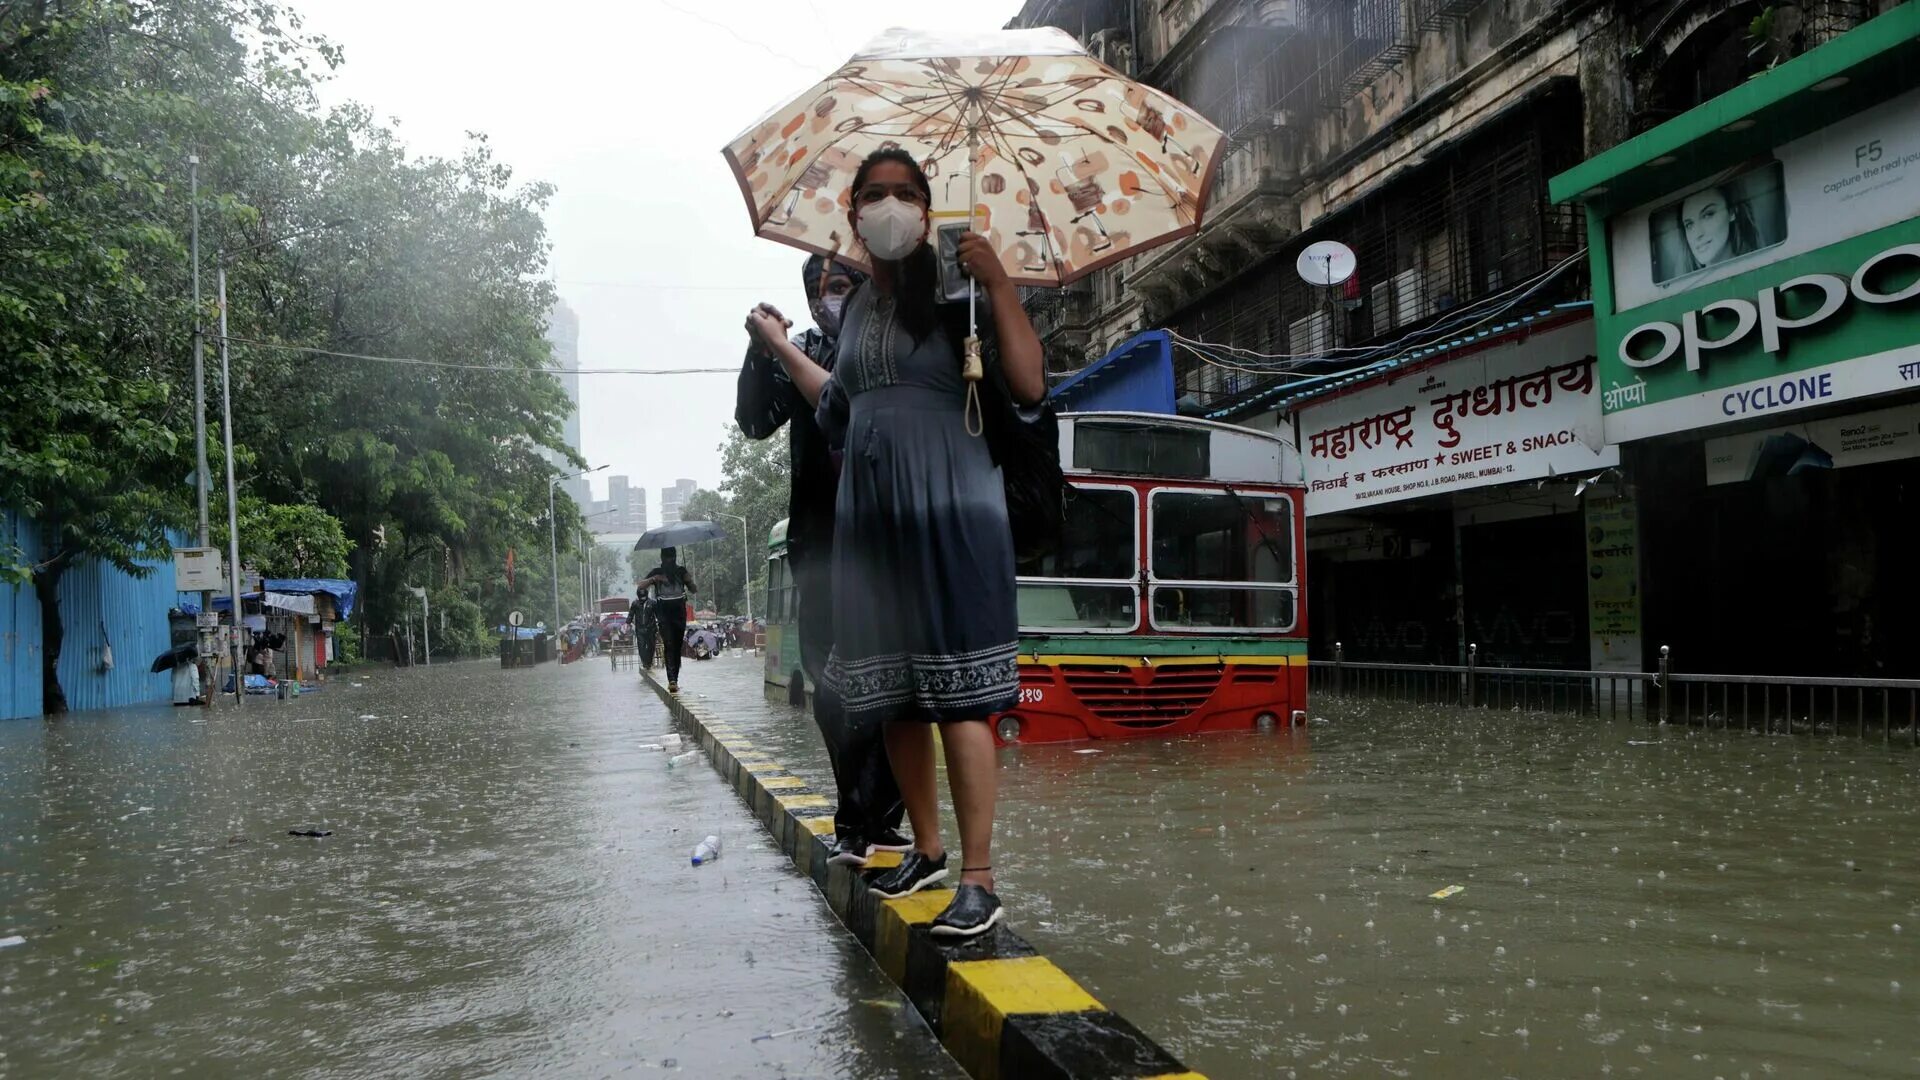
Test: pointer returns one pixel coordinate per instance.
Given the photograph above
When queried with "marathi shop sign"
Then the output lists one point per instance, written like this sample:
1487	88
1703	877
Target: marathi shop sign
1778	285
1517	411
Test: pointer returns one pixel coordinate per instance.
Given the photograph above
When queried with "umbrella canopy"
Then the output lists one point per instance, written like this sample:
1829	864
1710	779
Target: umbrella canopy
678	534
1064	164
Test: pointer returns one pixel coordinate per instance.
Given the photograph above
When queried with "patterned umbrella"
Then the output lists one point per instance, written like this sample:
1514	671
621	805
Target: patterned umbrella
1061	162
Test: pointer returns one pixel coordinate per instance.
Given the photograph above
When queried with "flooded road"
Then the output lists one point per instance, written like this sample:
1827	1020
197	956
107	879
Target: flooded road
506	891
1634	901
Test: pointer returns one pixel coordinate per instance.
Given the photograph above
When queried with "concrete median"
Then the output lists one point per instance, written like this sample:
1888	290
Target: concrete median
1001	1009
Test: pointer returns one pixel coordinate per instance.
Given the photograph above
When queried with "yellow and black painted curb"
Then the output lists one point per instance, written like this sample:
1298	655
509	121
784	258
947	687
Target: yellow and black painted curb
1001	1009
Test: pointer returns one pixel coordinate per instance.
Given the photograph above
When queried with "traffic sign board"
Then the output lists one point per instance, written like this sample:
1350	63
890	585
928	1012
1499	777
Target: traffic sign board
514	618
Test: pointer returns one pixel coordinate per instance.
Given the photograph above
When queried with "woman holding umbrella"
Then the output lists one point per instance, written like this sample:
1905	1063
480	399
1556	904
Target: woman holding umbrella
925	631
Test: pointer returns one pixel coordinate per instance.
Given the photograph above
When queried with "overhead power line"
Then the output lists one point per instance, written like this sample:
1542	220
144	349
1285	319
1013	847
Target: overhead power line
454	366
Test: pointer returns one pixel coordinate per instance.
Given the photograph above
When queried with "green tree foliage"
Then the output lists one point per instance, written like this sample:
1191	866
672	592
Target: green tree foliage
290	541
333	237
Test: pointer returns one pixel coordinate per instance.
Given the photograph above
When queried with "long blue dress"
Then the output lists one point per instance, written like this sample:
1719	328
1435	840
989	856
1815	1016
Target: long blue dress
923	571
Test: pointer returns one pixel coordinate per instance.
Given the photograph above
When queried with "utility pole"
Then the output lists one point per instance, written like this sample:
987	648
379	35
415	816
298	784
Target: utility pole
233	502
200	423
746	562
426	617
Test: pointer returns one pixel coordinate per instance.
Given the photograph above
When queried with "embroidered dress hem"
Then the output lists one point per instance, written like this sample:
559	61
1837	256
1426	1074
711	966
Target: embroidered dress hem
969	686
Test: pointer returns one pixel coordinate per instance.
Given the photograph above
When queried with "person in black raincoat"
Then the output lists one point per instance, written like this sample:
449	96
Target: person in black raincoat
868	817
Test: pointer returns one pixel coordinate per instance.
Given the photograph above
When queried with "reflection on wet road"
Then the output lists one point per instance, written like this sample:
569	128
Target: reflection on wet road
506	890
1636	901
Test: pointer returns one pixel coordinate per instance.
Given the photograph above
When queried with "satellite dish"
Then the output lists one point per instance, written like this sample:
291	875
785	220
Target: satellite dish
1326	263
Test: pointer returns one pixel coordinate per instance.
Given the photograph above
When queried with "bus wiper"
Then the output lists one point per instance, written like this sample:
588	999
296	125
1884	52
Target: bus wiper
1254	520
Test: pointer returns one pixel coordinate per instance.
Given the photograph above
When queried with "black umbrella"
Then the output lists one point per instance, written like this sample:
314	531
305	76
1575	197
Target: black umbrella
174	657
678	534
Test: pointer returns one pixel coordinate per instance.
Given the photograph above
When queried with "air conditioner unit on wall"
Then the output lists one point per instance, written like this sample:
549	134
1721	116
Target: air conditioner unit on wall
1409	297
1316	334
1380	304
1112	48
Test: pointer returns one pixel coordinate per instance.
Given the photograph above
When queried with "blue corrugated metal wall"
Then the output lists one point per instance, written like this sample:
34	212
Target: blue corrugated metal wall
19	629
98	605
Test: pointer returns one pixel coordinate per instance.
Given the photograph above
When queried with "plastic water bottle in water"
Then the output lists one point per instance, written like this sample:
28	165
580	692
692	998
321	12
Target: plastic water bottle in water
672	741
707	851
687	758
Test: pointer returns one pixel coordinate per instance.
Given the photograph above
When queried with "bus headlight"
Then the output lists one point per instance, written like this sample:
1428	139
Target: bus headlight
1265	722
1008	728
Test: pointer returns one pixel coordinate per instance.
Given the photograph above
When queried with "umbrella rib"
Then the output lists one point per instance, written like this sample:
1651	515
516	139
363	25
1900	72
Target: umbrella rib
955	93
931	116
1046	222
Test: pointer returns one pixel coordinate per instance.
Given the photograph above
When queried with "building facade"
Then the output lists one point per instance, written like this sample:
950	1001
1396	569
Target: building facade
673	498
625	509
563	335
1470	484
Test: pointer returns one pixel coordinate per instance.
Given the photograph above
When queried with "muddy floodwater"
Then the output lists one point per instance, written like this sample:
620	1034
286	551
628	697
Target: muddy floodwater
506	891
1632	901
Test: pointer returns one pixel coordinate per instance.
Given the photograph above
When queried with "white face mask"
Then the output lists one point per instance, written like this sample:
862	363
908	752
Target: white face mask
831	308
891	229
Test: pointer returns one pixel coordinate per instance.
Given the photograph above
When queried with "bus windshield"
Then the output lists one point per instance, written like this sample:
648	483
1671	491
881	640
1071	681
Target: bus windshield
1221	560
1089	583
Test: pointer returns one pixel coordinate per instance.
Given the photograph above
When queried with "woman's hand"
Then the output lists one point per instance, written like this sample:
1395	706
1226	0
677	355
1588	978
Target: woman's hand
767	326
980	261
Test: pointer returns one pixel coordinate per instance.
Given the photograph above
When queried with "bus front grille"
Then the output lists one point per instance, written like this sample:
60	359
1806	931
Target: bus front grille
1141	697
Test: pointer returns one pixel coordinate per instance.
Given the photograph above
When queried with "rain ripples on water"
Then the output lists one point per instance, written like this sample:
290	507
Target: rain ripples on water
1636	900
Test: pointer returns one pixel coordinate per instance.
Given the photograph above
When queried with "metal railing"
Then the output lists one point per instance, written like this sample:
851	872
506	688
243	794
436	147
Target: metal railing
1766	704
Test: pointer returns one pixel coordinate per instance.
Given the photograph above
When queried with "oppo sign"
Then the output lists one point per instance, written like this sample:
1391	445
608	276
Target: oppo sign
1763	311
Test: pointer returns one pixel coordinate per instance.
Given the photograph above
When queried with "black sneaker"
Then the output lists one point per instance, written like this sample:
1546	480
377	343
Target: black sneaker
891	840
850	851
973	912
914	873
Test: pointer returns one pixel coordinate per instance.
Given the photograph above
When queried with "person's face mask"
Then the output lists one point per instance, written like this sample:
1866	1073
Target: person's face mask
831	308
891	229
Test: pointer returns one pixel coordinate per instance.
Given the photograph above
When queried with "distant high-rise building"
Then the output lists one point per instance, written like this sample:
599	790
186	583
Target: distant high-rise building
626	506
563	337
673	498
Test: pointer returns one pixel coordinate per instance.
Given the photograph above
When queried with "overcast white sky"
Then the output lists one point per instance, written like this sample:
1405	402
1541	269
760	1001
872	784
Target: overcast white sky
623	105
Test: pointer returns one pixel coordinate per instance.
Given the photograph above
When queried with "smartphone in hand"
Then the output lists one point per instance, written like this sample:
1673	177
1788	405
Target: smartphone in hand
954	281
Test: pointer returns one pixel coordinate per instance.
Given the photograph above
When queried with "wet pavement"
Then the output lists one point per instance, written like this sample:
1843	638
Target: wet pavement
1635	901
506	891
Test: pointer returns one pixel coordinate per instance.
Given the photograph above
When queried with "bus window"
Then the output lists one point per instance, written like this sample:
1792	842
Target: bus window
1098	541
1133	448
1222	561
1089	583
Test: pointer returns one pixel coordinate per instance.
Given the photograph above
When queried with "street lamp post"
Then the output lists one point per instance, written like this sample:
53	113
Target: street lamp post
746	561
553	540
233	512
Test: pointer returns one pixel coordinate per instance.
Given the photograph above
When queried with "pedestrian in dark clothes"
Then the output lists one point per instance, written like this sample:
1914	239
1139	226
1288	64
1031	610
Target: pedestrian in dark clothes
671	586
868	817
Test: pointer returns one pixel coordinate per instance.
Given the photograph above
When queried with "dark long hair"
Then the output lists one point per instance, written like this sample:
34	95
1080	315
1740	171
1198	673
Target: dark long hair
917	284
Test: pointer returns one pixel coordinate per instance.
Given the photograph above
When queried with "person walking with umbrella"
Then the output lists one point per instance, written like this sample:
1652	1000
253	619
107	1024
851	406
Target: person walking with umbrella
671	586
869	812
925	631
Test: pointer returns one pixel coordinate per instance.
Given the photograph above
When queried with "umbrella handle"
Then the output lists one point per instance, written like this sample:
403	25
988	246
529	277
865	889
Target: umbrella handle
972	369
973	200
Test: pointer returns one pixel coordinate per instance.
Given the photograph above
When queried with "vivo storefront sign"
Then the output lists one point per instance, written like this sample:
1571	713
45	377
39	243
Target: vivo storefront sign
1769	287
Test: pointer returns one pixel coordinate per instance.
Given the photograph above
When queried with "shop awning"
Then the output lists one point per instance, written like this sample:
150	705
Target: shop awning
1137	376
1854	72
1289	396
342	590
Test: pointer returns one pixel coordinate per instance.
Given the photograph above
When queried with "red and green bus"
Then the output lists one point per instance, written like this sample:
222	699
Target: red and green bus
1177	603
